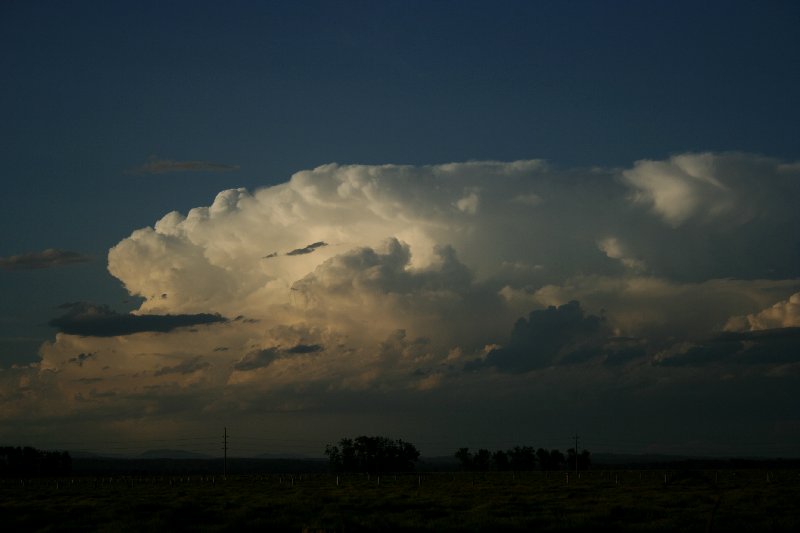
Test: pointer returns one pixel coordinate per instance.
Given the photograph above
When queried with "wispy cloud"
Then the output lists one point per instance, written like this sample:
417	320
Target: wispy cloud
188	366
47	259
764	347
307	249
157	165
262	358
100	321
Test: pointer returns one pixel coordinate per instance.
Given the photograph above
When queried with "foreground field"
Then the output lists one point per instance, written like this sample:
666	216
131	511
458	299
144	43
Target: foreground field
748	500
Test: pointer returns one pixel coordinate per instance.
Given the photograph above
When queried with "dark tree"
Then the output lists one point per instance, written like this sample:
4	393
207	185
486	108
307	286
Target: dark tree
518	458
552	460
557	459
465	458
372	454
482	460
335	459
583	460
29	461
522	458
500	460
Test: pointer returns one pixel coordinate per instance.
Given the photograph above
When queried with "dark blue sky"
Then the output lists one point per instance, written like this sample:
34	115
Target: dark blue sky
244	94
93	88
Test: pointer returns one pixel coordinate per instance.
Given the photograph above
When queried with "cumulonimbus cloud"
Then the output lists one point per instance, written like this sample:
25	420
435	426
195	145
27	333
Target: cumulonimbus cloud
410	278
401	247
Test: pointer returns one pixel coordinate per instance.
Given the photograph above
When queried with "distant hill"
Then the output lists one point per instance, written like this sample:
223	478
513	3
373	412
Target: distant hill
172	454
283	456
611	460
635	459
157	464
83	454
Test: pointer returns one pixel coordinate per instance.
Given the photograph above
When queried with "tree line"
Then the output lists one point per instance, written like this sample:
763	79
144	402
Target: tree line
382	454
521	458
27	461
372	454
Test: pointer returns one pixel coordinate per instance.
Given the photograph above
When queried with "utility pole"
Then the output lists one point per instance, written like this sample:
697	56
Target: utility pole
576	453
225	453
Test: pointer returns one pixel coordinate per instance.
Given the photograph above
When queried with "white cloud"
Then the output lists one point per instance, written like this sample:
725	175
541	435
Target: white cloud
405	274
616	250
469	203
428	249
732	188
681	188
784	314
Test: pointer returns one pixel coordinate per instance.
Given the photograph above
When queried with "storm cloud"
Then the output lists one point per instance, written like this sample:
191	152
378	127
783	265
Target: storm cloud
763	347
600	265
556	335
503	279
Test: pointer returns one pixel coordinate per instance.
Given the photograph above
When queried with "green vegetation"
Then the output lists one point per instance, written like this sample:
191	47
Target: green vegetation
616	500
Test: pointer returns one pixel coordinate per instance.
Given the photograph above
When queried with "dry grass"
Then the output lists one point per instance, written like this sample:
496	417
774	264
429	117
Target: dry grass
605	501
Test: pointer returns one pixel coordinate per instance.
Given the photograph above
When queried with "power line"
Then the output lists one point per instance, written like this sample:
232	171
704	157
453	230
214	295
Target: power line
225	452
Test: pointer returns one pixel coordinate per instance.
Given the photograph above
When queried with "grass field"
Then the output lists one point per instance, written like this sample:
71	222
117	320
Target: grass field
616	500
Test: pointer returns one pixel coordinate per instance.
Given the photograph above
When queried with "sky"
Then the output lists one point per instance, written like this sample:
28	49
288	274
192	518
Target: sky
479	224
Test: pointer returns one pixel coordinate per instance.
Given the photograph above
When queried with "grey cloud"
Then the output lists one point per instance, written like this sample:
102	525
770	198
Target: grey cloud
81	358
620	350
89	320
245	320
155	165
784	314
46	259
188	366
770	347
556	335
305	348
763	347
729	215
380	286
262	358
88	380
368	269
306	249
706	188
